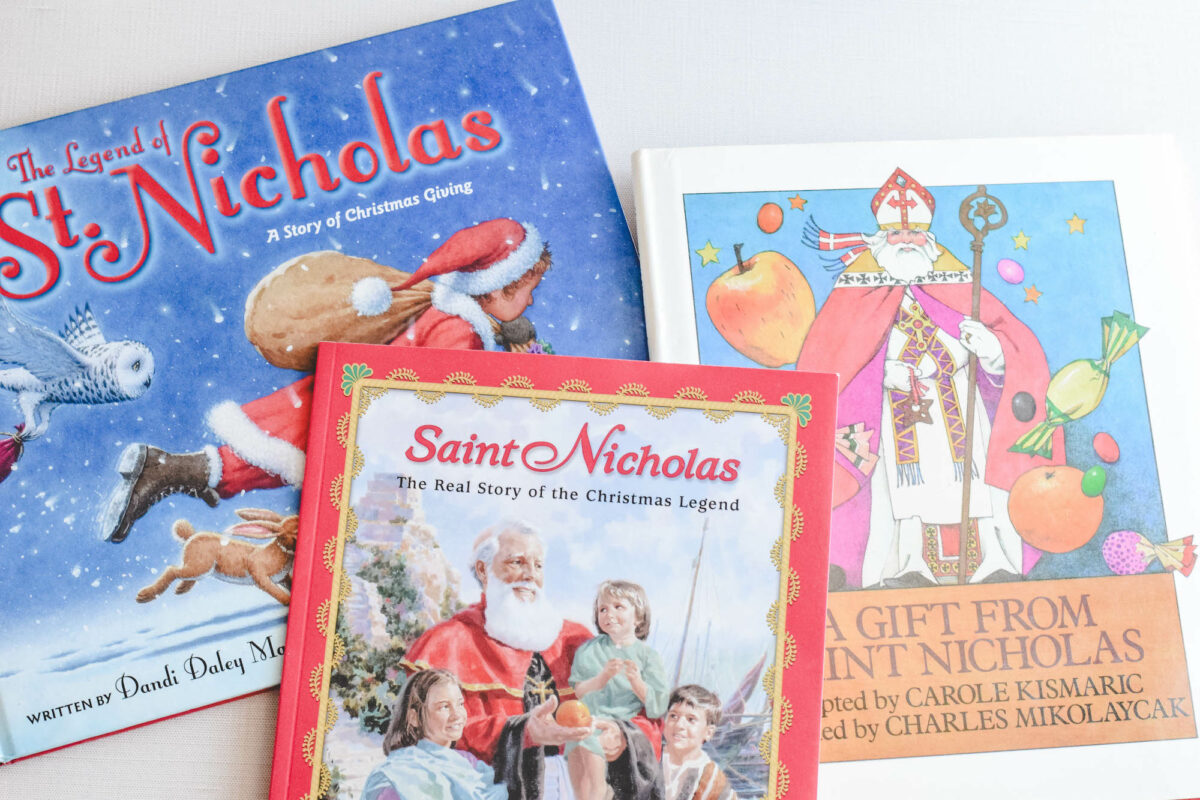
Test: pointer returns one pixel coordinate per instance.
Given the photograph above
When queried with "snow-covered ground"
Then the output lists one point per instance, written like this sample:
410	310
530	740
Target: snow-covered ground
97	681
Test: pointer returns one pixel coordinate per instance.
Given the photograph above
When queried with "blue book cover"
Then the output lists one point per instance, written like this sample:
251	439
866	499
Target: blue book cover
168	264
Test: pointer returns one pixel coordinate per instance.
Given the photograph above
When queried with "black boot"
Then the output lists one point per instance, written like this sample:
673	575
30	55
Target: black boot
147	476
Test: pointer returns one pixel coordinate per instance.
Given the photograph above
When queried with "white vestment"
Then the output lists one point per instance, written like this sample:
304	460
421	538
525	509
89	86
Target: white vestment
901	504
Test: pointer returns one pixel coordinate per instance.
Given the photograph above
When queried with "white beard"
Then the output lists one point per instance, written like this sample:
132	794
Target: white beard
904	262
524	624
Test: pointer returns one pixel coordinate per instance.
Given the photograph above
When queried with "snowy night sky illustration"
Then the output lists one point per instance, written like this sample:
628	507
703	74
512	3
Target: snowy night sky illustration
68	597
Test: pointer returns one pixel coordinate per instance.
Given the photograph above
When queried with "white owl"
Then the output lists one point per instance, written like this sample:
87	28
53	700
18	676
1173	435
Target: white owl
79	366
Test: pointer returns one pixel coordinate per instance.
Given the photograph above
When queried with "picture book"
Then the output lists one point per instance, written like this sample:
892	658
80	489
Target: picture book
1014	510
168	264
523	576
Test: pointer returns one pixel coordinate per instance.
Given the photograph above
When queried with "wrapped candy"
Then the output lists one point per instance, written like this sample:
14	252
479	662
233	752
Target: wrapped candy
1076	389
1130	553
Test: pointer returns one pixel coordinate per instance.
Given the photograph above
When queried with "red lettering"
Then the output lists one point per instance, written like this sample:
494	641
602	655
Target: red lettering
535	465
421	435
648	457
383	126
23	162
441	137
489	451
448	452
82	164
730	470
58	218
287	154
250	190
350	168
221	193
582	445
140	181
9	266
477	123
688	471
625	465
673	466
608	459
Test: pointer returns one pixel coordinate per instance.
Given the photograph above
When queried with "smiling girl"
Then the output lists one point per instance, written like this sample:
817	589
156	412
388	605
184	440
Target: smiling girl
617	675
421	762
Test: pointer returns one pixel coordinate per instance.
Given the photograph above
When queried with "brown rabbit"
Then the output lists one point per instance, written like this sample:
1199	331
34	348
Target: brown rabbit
266	565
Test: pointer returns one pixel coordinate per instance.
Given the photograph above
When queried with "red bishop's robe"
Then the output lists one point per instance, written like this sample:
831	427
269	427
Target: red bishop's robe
265	438
849	337
492	674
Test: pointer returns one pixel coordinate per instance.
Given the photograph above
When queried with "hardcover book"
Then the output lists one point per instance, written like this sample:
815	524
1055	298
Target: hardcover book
168	264
1011	547
523	576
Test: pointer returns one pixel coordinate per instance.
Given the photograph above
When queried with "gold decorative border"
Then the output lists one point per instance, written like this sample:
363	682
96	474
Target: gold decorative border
793	411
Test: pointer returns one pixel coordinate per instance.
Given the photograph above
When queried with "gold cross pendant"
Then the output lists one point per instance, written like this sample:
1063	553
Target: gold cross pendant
539	689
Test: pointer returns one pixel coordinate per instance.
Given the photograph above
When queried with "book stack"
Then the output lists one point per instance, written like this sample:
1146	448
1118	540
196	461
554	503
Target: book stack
332	374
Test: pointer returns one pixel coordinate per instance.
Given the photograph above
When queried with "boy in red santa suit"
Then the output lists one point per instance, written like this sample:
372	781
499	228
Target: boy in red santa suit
483	273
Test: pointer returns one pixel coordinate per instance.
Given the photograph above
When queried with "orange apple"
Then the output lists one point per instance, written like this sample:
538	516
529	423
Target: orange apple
573	714
1048	508
763	307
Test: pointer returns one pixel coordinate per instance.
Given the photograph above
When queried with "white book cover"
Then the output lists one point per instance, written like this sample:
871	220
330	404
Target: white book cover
1011	612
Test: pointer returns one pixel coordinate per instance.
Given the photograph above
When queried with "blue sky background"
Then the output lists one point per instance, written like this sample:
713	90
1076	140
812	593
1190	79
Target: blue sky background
1083	277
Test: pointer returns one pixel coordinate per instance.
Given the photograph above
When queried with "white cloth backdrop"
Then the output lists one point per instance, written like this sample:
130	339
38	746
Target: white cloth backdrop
656	74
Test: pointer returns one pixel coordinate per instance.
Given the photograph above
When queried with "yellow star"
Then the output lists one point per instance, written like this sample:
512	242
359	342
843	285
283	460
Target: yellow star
1032	294
1075	224
708	254
1021	241
797	202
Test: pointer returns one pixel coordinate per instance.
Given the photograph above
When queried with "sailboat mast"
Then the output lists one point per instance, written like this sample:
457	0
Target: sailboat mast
691	599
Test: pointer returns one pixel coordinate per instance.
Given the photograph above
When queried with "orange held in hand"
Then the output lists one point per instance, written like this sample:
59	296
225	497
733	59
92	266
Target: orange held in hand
573	714
1048	508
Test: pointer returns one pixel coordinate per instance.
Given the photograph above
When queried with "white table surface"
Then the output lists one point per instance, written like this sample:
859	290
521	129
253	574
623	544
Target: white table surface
656	74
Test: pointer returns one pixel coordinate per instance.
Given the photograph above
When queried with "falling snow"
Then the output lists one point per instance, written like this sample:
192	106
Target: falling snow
180	301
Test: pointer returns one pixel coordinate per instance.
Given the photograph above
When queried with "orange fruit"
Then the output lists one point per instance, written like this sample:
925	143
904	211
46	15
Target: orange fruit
573	714
1048	508
770	218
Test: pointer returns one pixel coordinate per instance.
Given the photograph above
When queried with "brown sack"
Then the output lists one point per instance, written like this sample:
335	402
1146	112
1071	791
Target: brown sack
307	300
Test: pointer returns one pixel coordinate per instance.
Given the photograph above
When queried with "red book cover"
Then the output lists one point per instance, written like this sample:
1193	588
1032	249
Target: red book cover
540	575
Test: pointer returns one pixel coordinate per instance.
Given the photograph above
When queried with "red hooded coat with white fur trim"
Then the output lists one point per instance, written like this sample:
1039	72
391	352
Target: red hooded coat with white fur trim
265	439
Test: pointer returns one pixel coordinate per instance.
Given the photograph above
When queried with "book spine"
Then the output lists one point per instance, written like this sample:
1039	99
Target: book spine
300	611
810	561
667	297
